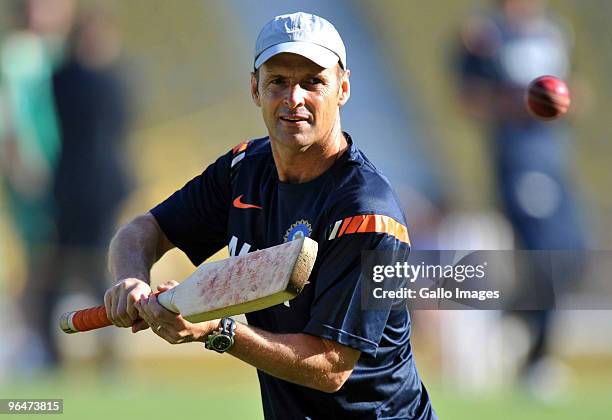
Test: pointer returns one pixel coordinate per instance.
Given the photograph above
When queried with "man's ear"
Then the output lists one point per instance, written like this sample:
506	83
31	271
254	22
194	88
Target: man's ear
255	90
345	88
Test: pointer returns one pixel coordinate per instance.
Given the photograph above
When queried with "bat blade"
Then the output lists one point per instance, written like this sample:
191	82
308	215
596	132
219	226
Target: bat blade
239	285
228	287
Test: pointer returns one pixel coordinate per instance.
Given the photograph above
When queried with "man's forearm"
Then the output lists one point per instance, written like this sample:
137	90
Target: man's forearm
299	358
134	250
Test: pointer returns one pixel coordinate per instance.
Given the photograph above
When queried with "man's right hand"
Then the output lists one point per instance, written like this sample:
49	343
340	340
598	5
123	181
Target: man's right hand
119	303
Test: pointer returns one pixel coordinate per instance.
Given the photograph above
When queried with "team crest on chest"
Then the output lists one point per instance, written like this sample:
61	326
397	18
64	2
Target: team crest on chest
300	229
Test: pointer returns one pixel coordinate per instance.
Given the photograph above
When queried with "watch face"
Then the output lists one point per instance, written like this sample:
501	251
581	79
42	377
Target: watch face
221	343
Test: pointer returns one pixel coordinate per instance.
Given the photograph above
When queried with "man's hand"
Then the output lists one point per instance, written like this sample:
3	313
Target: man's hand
170	326
133	251
119	303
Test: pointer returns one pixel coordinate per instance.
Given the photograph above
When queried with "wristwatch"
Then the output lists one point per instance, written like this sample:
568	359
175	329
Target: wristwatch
222	340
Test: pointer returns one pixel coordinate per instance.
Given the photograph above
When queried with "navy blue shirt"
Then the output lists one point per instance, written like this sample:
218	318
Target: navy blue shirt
239	202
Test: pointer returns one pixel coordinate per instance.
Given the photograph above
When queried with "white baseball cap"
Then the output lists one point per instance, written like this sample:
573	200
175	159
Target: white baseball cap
300	33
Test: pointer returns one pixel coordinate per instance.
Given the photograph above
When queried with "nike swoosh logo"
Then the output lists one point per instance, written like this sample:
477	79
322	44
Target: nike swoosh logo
240	205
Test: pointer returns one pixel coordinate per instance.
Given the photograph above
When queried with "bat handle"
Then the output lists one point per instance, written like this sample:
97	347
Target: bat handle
84	320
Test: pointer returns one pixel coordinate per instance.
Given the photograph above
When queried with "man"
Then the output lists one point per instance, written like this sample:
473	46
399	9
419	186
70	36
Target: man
93	116
322	355
29	150
499	55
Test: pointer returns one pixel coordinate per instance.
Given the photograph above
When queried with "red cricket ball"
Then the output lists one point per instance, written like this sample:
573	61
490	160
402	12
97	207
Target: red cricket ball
548	98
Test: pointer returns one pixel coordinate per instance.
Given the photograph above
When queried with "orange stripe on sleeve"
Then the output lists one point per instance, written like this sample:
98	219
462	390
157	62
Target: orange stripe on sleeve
401	233
369	224
386	225
374	223
344	225
355	223
240	147
392	230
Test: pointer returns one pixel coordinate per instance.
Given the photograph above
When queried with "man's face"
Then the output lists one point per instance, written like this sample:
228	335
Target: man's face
299	100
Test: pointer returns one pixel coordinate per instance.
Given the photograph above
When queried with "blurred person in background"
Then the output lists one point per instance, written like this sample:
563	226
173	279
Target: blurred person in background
91	180
500	53
29	142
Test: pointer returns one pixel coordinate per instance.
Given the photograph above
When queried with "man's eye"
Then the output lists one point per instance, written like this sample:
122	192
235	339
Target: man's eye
277	81
315	81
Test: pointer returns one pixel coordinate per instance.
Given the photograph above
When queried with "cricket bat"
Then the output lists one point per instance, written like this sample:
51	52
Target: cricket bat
232	286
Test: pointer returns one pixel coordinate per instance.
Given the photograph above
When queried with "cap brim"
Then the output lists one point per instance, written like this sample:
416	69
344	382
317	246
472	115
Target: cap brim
319	55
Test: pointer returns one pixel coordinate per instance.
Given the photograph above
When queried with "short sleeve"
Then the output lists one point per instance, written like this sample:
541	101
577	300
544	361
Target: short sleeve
195	217
337	313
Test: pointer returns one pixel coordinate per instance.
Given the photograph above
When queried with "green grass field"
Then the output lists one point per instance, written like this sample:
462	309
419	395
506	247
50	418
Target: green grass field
585	404
140	399
153	390
229	390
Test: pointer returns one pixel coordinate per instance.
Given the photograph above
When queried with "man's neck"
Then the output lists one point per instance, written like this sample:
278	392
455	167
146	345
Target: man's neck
300	166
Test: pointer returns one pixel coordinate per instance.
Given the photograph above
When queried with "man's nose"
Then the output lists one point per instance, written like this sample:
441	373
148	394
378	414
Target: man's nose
294	97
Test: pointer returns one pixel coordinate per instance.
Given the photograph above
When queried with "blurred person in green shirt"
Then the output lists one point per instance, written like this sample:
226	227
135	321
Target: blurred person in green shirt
29	138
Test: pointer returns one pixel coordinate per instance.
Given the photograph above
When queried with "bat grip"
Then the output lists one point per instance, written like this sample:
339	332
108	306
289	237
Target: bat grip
85	319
